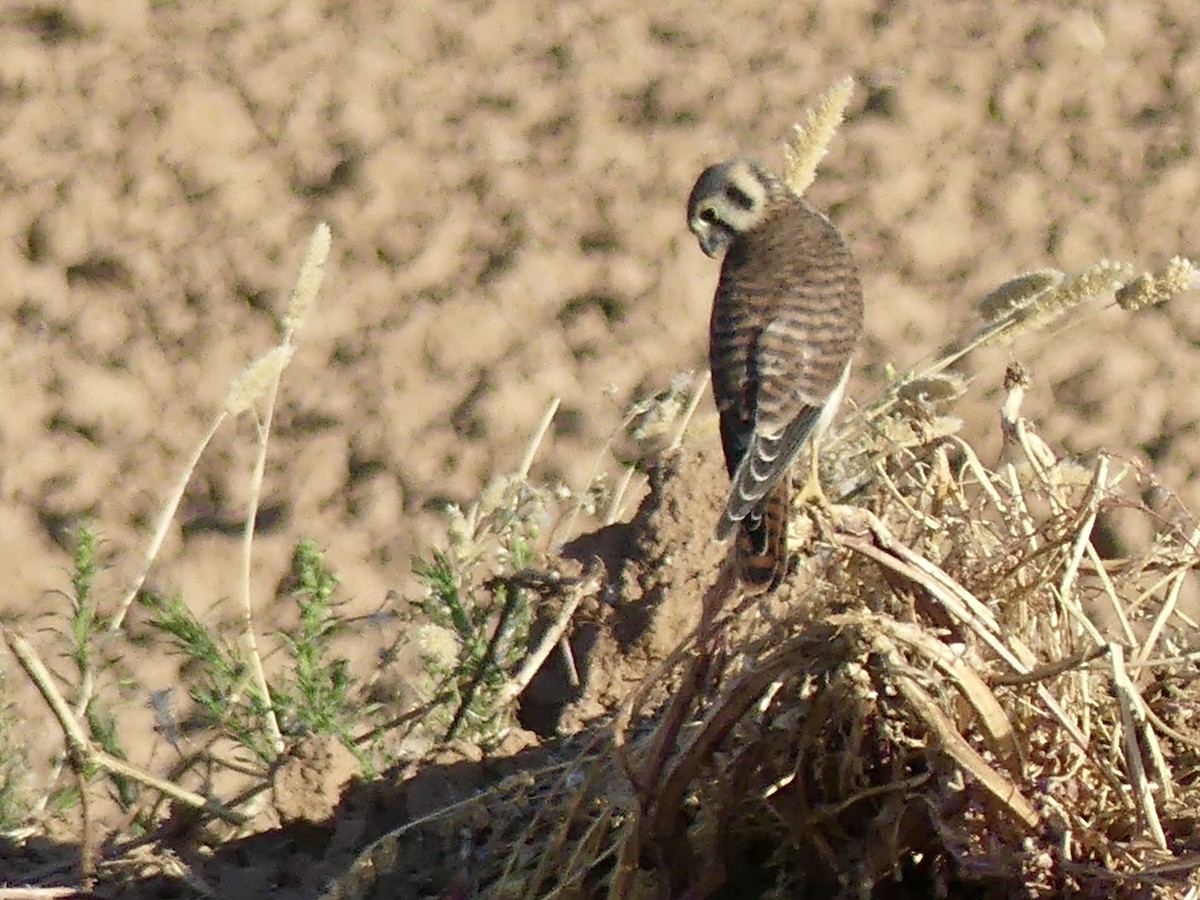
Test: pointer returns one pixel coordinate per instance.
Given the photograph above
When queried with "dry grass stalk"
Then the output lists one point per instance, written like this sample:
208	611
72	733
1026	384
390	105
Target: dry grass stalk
270	369
585	586
539	435
244	391
810	139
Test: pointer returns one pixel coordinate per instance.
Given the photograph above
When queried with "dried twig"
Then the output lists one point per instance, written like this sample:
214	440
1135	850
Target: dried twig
83	749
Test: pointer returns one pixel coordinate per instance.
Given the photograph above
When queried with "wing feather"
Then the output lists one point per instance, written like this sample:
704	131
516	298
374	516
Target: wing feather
785	322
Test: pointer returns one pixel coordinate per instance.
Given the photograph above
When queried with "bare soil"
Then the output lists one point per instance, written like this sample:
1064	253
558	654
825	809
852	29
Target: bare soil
505	186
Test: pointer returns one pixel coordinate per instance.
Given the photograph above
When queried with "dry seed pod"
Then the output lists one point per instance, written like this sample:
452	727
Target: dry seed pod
1018	292
312	272
1179	275
942	387
1099	278
810	141
254	380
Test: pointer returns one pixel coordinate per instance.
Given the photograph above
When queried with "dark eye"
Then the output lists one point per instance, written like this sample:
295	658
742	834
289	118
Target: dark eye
708	215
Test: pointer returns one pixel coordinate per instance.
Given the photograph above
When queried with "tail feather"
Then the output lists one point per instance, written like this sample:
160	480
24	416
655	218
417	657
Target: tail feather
762	541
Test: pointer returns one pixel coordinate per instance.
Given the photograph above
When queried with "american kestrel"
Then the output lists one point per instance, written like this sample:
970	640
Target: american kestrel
786	317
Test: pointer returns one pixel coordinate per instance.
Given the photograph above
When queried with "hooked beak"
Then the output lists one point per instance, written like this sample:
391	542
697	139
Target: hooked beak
712	242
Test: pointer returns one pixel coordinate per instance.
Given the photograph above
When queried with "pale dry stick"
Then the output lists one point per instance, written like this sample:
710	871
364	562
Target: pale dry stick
164	523
1079	547
928	522
1187	620
1158	585
308	283
1168	607
1100	484
1110	589
539	435
1145	716
1019	506
981	474
1165	780
588	584
1133	754
614	505
535	442
1176	660
47	893
1030	443
938	485
79	743
1085	717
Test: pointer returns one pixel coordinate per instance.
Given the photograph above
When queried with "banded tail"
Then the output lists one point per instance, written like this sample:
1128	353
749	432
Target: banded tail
762	541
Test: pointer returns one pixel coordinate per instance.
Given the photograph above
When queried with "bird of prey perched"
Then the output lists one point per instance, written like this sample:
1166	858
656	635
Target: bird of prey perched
786	317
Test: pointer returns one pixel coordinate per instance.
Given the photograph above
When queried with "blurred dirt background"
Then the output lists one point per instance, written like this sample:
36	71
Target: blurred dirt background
505	183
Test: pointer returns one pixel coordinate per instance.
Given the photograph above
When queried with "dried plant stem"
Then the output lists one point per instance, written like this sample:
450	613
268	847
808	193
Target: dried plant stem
1168	608
588	584
248	635
165	517
539	435
82	749
1078	547
303	295
614	505
1127	697
957	601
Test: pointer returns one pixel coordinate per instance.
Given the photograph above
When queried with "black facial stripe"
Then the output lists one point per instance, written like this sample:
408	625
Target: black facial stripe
738	197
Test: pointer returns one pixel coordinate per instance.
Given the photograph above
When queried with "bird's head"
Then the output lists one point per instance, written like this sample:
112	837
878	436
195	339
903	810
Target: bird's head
729	199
